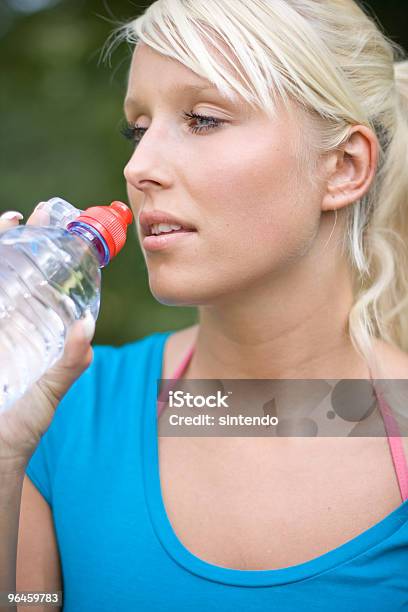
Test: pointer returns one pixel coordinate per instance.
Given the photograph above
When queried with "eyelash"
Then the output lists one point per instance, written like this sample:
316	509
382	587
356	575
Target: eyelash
135	133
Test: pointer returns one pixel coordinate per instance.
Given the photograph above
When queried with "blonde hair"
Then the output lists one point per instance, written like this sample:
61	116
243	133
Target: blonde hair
332	59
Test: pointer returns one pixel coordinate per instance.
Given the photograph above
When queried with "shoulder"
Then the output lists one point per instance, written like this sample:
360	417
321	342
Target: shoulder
98	410
393	359
395	363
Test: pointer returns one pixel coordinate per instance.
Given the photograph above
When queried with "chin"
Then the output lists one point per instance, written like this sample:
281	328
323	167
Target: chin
170	291
177	287
174	299
179	293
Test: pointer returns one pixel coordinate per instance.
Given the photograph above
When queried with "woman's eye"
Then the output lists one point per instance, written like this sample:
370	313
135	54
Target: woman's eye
205	122
132	132
135	133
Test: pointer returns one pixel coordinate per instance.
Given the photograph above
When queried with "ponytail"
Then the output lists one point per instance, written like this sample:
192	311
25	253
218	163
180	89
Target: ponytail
384	293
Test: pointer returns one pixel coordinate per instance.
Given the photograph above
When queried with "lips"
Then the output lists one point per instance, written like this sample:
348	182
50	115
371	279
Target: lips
148	218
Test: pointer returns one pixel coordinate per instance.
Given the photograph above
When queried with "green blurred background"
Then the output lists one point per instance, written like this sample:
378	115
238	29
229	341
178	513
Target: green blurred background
61	113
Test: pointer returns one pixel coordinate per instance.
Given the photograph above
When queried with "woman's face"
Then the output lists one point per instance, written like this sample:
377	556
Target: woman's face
237	183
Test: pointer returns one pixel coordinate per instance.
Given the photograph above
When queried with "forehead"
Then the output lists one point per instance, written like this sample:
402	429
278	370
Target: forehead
149	66
152	74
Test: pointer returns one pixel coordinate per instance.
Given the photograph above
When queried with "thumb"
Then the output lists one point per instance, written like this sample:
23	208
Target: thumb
88	326
78	353
77	344
76	358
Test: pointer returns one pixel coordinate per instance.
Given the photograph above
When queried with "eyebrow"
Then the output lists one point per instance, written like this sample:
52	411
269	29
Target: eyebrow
134	102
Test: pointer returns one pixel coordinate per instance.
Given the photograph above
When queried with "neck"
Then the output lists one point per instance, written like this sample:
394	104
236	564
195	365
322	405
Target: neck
295	327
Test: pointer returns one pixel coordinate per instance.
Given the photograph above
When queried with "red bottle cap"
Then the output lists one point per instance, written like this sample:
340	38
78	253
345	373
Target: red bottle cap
111	222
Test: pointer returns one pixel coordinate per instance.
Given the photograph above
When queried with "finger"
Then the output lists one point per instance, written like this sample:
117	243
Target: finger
9	219
38	217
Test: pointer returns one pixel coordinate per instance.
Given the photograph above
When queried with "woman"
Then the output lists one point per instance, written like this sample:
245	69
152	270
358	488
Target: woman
276	132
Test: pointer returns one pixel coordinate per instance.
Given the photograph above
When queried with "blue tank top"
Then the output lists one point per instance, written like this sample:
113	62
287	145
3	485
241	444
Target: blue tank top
97	467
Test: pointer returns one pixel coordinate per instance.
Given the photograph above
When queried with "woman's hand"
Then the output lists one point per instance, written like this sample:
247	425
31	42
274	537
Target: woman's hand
25	421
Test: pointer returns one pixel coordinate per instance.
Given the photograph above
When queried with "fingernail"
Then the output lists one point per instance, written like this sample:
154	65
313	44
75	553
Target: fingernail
88	325
11	214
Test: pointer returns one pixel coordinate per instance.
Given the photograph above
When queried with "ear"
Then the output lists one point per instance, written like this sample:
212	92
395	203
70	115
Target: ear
351	170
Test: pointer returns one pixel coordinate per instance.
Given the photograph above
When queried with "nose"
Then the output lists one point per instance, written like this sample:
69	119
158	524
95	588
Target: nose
139	177
146	168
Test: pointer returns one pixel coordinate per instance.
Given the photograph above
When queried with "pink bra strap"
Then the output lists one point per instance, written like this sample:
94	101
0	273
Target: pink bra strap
183	365
395	444
177	374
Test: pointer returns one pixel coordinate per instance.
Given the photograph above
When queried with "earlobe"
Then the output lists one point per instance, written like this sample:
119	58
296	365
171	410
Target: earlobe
328	202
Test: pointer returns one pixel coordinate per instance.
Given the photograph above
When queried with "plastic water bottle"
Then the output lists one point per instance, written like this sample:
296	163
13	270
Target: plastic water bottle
50	276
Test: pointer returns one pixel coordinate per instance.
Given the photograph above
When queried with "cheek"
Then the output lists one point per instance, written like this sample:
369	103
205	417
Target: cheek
257	203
